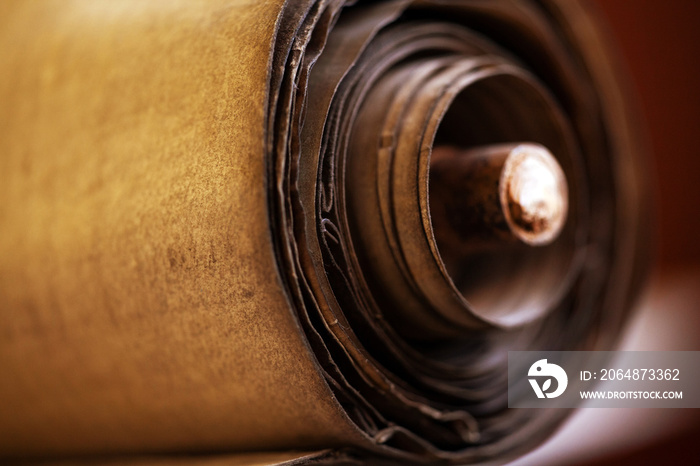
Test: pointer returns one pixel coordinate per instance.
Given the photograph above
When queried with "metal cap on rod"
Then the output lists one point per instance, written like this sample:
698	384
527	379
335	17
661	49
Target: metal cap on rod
487	197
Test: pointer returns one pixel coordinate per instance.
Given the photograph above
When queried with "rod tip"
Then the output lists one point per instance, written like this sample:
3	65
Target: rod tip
534	194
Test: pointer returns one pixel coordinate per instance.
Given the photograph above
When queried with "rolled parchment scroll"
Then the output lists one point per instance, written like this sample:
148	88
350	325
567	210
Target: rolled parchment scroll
249	226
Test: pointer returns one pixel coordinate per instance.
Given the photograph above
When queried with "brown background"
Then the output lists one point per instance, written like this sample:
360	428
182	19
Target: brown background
660	44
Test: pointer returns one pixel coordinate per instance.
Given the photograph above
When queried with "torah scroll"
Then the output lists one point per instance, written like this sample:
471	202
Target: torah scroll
253	226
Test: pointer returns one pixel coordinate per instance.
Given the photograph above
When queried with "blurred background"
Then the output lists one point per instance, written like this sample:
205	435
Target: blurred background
658	42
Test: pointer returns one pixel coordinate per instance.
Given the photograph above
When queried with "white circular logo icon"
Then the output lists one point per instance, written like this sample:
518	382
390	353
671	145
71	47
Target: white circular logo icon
545	371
